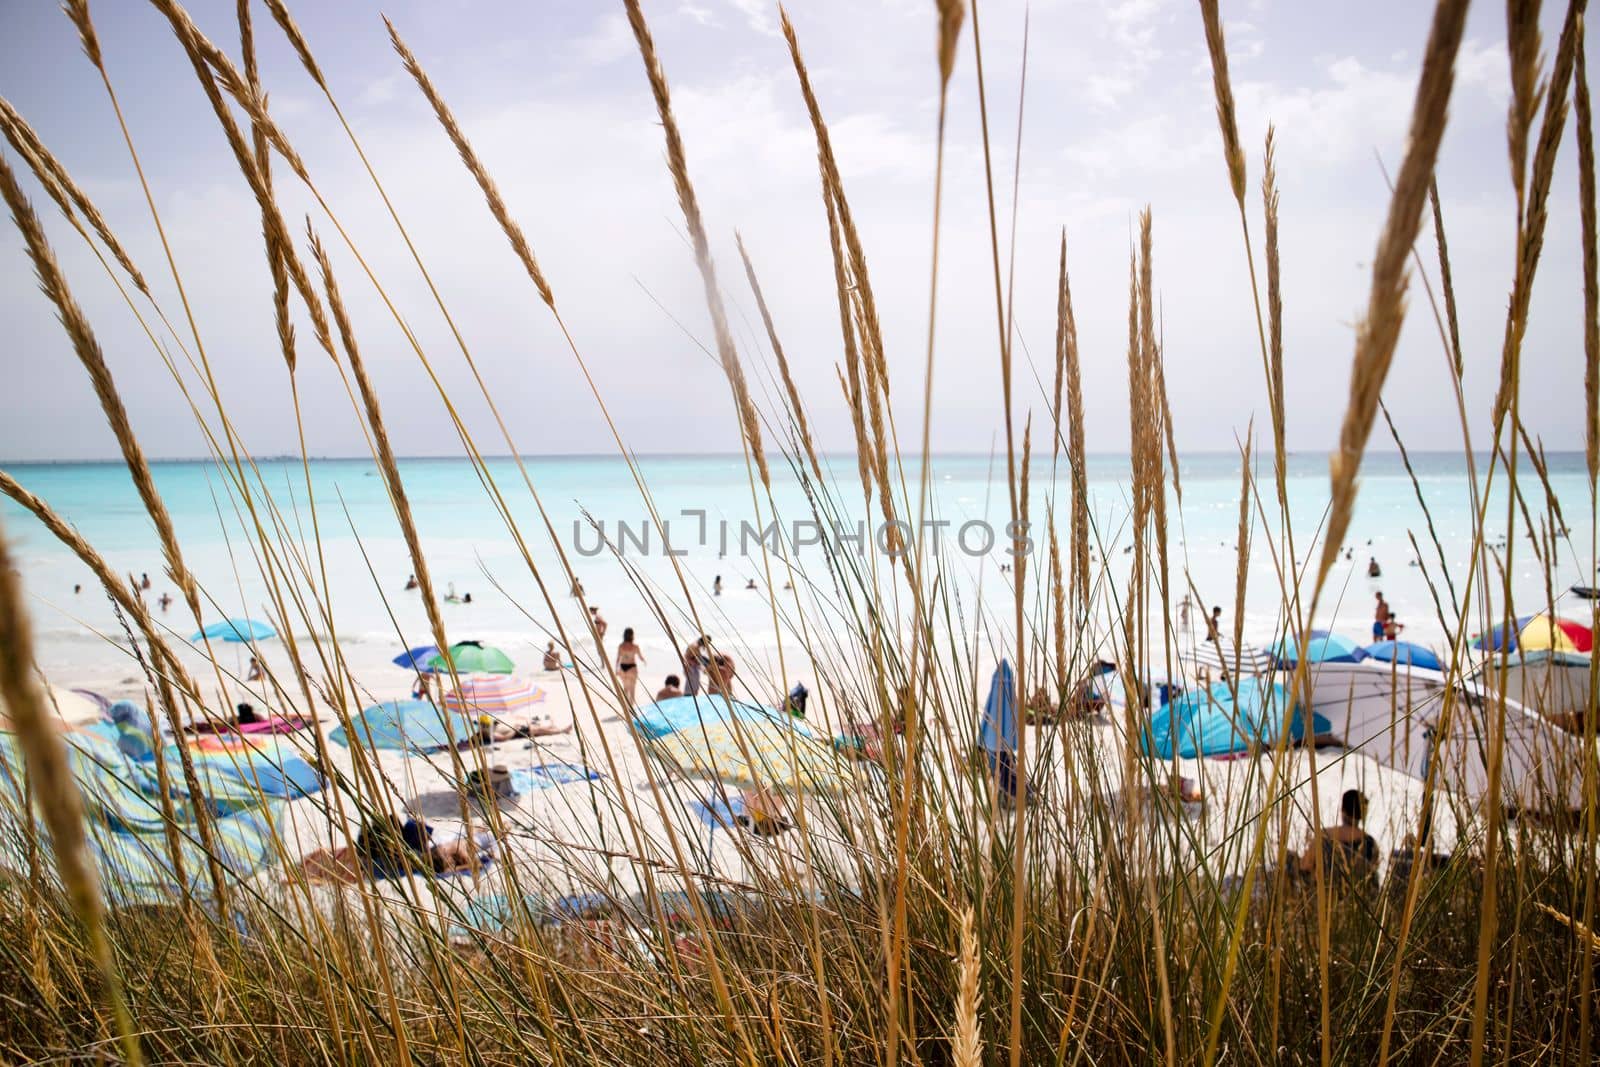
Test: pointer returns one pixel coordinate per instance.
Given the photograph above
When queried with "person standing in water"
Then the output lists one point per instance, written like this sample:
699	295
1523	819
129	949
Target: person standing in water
716	586
1214	625
1380	617
628	659
1373	570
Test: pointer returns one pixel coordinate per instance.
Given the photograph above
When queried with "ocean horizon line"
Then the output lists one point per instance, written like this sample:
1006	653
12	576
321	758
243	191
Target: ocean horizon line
290	457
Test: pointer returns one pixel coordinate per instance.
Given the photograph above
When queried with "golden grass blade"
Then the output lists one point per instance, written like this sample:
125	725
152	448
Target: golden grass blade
783	361
967	1045
1591	265
951	14
55	792
491	191
1222	86
62	188
1522	43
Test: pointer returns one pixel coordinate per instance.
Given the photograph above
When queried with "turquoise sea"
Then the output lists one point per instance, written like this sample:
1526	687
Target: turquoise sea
468	544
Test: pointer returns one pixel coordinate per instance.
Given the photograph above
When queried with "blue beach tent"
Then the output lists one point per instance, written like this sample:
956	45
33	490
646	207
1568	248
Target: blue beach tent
1211	722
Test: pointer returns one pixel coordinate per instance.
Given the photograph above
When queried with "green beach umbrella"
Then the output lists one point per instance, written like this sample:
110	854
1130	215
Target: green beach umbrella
472	657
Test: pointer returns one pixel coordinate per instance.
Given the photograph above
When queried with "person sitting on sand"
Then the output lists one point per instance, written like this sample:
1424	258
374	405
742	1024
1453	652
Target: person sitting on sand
751	584
254	674
670	688
411	583
1373	570
719	674
628	659
552	658
419	688
1345	850
1380	616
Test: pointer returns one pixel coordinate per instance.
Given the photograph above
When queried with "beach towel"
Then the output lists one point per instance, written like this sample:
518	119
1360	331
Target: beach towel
241	776
546	775
274	725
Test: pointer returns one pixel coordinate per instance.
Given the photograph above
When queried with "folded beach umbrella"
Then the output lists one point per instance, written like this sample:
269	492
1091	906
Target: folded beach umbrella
1538	633
416	659
236	632
1406	653
753	753
1323	647
472	657
408	725
997	728
493	694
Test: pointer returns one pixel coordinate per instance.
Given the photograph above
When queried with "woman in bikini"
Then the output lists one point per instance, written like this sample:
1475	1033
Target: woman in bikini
628	659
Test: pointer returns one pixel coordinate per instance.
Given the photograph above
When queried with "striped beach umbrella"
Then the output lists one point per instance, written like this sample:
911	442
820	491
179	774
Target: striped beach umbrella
497	695
1539	633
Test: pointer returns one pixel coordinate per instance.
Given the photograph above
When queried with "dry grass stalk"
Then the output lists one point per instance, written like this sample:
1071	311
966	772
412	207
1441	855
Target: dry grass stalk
872	338
1522	42
783	361
263	156
62	188
55	792
951	14
1386	304
1445	281
678	165
967	1041
1058	604
275	230
1227	119
1535	212
491	192
852	358
1076	449
1063	314
297	40
1591	267
1269	204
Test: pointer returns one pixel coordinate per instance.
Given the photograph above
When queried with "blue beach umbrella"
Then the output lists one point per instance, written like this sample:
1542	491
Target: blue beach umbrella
408	725
1323	647
1216	721
1405	652
416	659
236	632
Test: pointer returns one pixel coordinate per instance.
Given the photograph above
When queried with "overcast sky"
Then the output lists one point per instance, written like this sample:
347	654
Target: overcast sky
1118	114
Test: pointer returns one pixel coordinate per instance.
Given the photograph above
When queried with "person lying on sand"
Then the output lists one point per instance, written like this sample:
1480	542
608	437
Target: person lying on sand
386	847
492	731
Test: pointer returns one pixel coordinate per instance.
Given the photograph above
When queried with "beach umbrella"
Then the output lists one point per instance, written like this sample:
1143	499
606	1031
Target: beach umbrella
472	657
1323	647
408	725
676	713
1538	633
416	659
753	753
236	632
1215	722
1405	652
496	694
